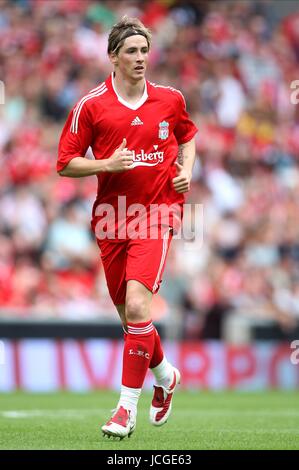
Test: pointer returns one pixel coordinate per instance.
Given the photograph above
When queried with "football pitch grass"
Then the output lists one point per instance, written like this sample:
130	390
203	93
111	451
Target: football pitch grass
200	420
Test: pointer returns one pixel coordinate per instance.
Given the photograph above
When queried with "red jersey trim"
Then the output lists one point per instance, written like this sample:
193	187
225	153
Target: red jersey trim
100	90
169	88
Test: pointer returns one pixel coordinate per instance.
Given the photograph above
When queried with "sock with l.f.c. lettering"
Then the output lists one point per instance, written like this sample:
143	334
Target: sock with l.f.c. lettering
138	350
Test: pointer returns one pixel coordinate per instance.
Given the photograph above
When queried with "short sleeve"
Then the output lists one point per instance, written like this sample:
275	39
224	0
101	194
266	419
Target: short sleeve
76	136
185	129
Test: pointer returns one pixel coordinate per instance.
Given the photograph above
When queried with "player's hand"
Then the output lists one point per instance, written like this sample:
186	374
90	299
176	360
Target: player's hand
181	182
121	159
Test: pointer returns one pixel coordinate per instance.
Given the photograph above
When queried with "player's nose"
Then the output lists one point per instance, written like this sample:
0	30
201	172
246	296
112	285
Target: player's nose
140	57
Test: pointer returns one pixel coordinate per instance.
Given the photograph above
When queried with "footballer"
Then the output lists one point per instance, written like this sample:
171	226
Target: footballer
135	129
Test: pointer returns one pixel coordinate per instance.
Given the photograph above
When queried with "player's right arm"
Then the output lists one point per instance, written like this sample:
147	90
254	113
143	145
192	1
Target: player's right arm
76	137
119	161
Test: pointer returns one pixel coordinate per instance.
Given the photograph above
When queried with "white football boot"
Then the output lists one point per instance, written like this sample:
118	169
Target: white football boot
121	424
162	401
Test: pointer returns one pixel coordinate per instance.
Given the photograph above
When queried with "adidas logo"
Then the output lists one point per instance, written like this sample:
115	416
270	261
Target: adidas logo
136	122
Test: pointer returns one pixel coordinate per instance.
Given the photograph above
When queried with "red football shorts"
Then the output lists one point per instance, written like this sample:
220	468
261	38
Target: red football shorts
142	260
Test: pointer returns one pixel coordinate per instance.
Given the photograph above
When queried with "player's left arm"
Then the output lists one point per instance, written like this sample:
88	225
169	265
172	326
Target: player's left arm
185	163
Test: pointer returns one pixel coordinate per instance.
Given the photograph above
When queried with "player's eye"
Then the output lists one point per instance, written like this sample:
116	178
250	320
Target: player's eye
132	51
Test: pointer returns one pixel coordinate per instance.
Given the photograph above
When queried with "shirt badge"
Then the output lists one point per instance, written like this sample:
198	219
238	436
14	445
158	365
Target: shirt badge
163	130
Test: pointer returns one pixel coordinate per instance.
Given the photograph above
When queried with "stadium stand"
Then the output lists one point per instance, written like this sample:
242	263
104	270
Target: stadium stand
234	62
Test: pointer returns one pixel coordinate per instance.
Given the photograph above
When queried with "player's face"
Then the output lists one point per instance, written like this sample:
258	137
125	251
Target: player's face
132	58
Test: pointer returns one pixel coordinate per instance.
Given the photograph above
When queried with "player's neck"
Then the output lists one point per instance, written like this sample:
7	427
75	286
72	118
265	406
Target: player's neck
130	91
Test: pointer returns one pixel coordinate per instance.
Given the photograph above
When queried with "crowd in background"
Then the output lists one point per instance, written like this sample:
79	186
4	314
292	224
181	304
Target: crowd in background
234	61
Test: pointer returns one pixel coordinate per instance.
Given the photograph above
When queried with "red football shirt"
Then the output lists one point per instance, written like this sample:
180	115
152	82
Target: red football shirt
153	127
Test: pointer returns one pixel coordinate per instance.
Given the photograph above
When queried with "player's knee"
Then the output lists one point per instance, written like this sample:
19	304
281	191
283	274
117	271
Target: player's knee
136	310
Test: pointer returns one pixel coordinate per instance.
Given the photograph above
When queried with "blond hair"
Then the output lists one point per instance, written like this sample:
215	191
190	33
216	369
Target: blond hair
123	29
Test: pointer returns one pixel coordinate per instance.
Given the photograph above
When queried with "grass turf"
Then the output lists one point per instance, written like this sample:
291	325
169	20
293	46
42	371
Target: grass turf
200	420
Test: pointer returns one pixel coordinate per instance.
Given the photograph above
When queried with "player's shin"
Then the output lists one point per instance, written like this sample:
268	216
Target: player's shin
138	351
159	365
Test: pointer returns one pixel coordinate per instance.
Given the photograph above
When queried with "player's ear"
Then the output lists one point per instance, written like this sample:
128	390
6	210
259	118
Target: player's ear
113	58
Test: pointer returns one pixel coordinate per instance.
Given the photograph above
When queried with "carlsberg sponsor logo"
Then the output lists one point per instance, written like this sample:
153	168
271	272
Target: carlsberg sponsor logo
147	159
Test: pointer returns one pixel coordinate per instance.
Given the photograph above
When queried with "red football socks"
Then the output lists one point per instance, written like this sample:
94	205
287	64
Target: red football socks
158	354
138	351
